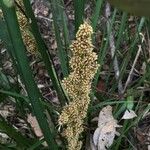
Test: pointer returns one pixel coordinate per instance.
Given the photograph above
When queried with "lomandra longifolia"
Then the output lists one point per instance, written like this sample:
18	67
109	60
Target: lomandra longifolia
83	66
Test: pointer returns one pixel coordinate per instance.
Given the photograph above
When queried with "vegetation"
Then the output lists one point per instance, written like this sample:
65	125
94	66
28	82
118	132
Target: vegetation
120	79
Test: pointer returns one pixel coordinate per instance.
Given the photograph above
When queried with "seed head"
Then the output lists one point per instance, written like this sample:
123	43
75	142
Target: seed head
83	66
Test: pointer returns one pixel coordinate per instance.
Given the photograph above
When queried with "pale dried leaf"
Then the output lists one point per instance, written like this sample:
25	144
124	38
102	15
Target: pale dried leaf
4	138
105	133
129	114
94	119
92	145
106	137
96	136
34	124
105	116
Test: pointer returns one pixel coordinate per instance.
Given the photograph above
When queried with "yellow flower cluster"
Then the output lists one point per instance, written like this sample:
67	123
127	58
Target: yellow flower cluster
78	85
28	38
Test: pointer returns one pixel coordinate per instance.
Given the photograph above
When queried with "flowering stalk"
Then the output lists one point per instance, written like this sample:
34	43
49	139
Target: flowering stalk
78	85
27	36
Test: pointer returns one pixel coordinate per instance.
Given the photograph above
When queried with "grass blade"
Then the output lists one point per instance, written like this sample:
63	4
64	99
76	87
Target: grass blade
129	53
79	12
22	60
44	53
36	145
96	13
103	50
57	12
13	133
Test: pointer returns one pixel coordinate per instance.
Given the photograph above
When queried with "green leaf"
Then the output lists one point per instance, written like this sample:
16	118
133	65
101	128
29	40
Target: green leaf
19	52
21	140
130	102
96	14
79	12
59	18
47	59
136	7
4	83
8	3
3	32
5	37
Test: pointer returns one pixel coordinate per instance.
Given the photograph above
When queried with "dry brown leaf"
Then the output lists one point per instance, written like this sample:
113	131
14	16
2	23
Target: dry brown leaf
105	133
129	114
34	124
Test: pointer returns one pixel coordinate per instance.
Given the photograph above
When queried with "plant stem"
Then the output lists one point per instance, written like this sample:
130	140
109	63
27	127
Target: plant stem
22	60
44	53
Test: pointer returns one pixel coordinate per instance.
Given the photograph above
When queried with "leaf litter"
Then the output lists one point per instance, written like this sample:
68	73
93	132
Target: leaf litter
129	114
106	131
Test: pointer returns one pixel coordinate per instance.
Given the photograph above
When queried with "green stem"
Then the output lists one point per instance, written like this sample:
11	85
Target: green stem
22	60
44	53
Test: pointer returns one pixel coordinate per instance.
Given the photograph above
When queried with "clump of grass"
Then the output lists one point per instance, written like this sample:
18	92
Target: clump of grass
120	35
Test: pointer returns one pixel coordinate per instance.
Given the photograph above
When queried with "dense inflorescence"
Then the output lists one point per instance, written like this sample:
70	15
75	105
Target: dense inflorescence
27	36
83	66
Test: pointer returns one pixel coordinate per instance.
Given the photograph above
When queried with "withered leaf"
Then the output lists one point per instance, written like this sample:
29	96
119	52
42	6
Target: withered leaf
35	126
129	114
105	133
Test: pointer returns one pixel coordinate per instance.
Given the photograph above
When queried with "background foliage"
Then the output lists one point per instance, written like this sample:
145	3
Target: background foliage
123	79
